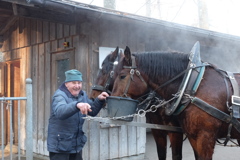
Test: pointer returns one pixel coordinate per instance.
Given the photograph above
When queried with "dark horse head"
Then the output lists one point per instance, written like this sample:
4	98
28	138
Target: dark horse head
104	80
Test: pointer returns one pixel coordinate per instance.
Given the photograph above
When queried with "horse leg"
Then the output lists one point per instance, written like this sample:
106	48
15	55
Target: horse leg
160	138
203	146
176	140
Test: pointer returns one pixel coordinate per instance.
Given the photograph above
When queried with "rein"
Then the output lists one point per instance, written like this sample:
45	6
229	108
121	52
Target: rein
134	69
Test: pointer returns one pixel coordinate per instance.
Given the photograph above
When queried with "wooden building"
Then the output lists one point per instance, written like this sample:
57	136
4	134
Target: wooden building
32	38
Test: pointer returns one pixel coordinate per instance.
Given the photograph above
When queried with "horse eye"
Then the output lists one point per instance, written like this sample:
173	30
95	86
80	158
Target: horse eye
122	77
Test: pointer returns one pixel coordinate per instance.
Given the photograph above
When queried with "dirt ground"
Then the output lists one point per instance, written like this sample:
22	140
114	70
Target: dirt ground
220	153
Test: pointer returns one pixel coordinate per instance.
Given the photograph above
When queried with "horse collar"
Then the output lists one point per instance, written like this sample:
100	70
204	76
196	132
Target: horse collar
195	67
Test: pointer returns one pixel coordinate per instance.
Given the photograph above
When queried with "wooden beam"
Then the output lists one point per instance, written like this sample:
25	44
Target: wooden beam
8	24
14	6
136	124
43	14
5	12
51	16
19	2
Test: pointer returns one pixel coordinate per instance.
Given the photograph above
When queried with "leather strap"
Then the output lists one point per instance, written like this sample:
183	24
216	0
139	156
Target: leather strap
235	97
132	71
98	88
216	113
128	84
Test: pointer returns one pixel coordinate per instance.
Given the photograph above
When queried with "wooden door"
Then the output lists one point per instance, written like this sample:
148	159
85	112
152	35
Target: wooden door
61	62
13	90
10	87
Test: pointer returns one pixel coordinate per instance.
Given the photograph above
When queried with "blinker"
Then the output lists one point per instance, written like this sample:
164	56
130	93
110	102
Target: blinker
111	74
132	73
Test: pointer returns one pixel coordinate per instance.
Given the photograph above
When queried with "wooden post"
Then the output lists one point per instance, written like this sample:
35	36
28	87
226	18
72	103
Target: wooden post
29	121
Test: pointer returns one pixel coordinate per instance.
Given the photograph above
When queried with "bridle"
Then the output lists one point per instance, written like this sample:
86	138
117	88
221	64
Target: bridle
105	87
133	69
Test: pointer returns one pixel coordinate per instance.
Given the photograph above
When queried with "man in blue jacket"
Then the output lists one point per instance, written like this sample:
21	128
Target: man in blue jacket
69	104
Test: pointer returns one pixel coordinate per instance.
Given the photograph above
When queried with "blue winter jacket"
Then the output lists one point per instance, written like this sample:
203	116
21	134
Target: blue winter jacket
65	134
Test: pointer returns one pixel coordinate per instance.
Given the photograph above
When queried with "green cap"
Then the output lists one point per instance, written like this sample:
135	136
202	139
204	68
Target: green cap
73	75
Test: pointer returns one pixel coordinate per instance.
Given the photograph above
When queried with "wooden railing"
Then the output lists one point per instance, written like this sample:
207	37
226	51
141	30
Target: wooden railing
8	103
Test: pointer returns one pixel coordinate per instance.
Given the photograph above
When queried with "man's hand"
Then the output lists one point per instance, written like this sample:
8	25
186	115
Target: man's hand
103	96
84	108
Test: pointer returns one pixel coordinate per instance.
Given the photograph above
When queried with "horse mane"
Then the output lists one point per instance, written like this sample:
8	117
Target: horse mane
161	64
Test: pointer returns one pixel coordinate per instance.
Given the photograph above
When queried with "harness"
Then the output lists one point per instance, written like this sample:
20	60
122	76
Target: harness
191	81
133	69
105	87
190	85
235	97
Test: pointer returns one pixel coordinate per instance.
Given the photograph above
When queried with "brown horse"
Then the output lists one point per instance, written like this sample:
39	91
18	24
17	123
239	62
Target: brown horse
164	73
104	82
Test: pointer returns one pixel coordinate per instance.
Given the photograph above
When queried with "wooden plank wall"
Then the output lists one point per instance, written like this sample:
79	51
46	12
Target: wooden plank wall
32	41
41	64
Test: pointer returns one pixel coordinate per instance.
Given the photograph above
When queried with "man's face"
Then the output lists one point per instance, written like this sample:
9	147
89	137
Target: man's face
74	87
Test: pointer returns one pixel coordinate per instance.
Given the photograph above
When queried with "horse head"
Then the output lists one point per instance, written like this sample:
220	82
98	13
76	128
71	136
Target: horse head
139	73
128	79
104	80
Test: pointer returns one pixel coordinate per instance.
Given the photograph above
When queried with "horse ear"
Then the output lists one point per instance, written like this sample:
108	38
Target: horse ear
127	54
114	54
127	51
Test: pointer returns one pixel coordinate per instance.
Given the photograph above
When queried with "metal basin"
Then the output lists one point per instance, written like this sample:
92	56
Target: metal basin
120	106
